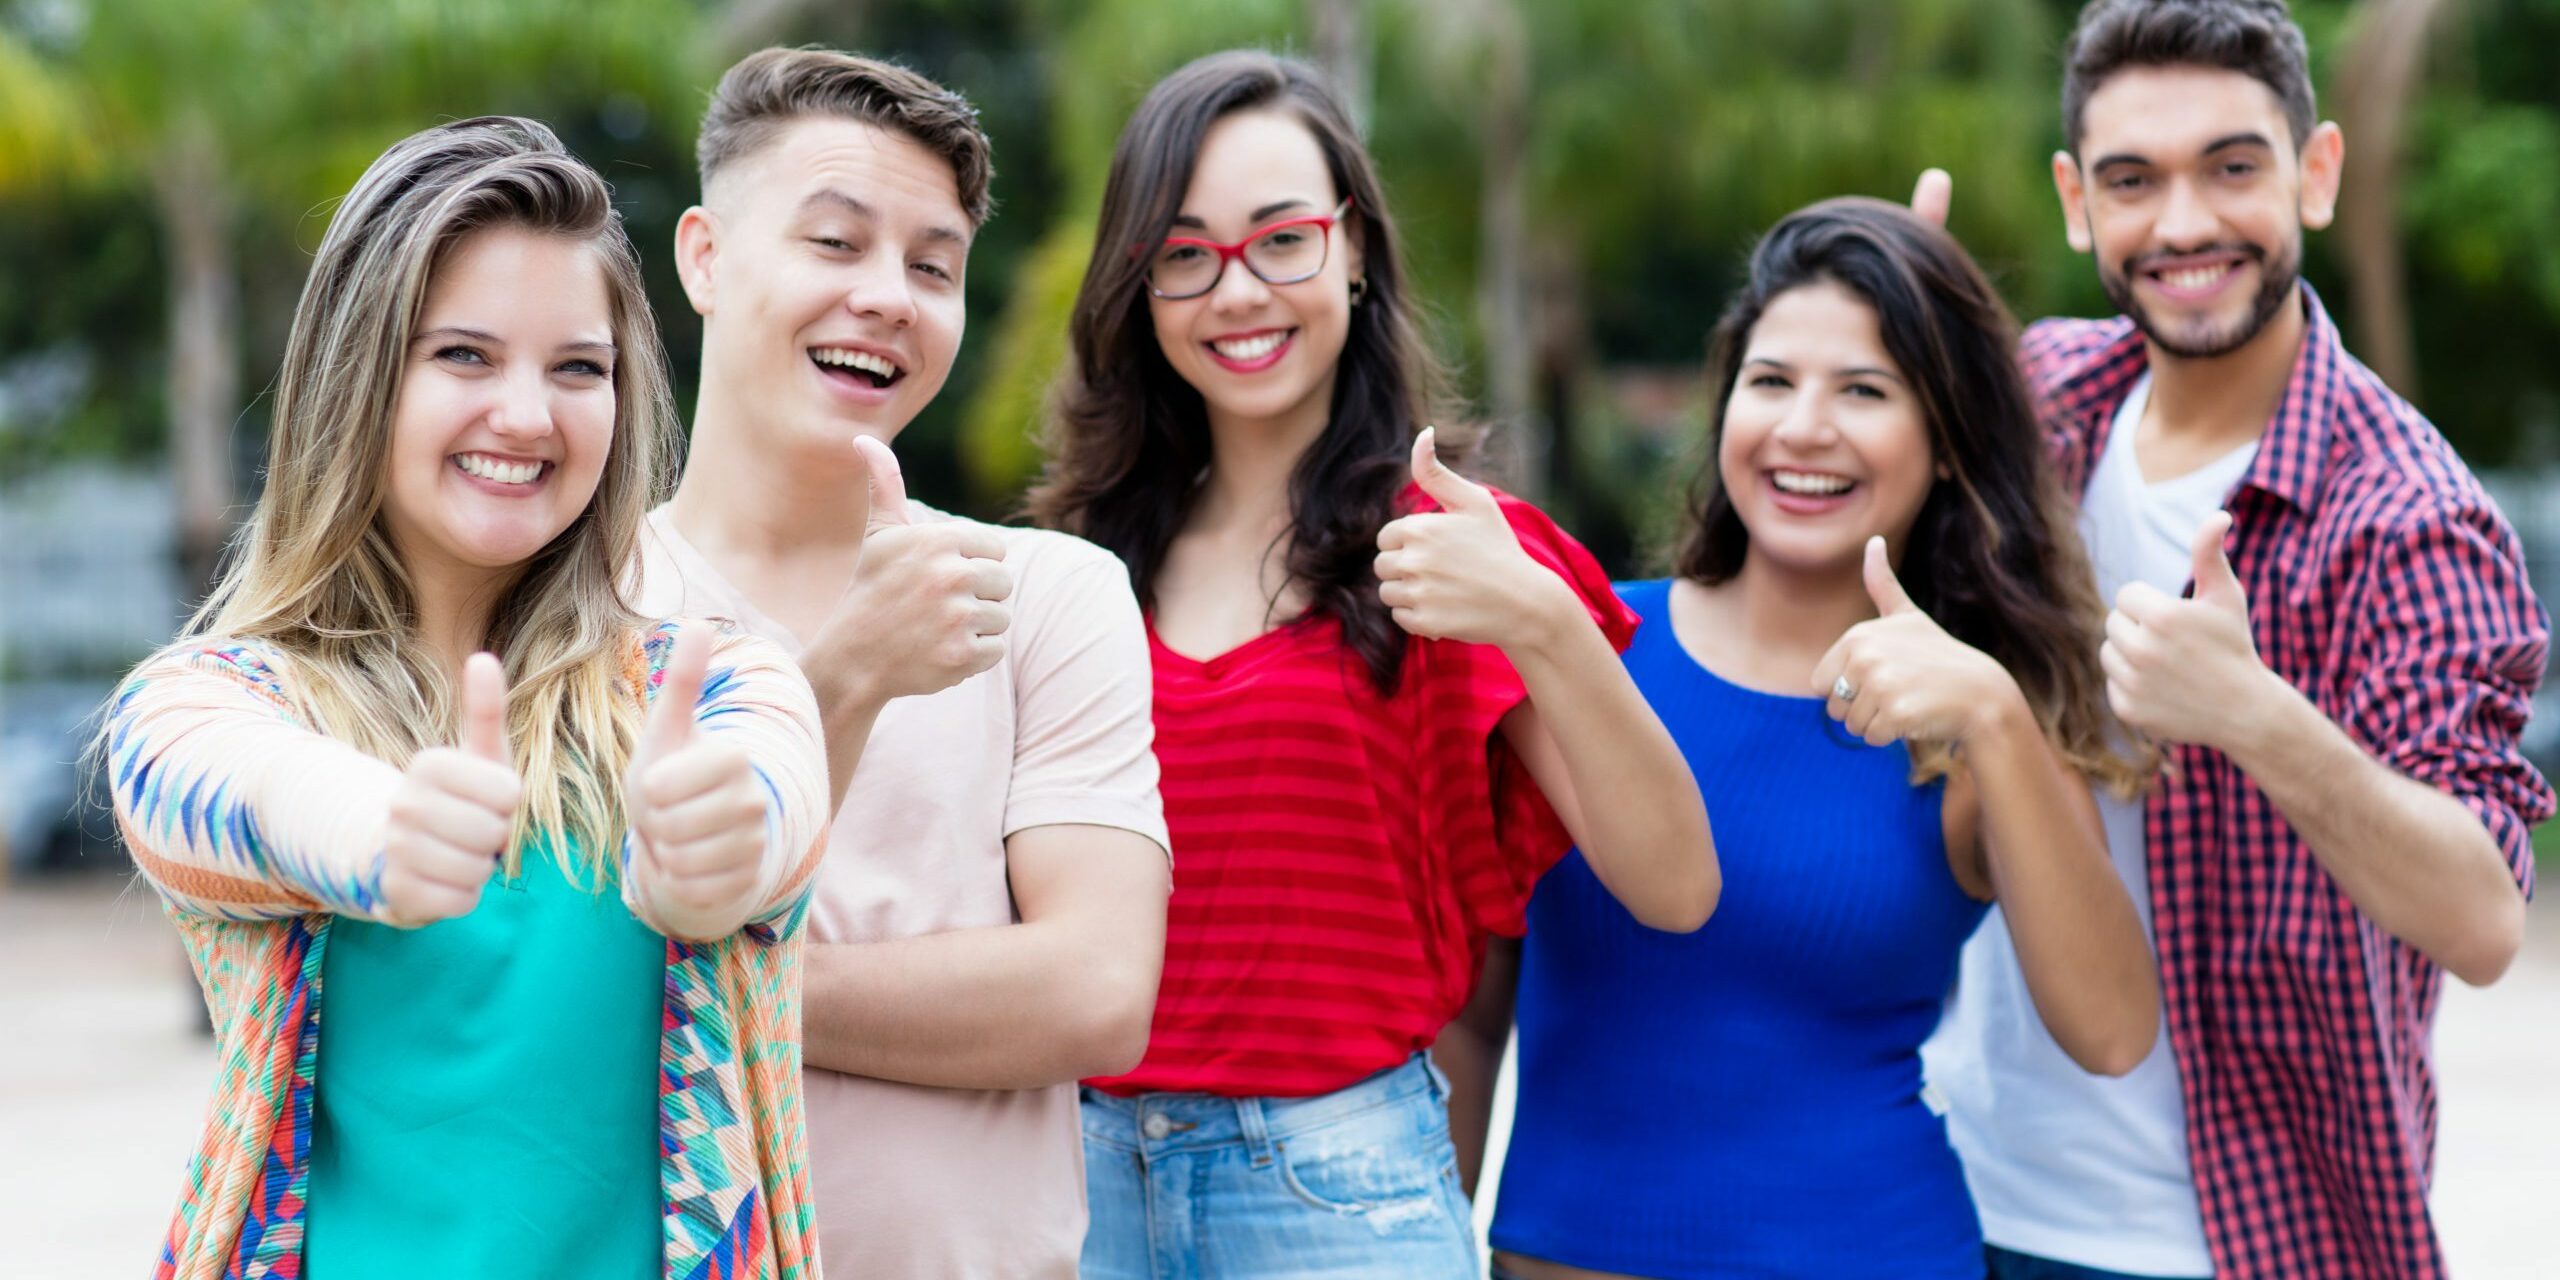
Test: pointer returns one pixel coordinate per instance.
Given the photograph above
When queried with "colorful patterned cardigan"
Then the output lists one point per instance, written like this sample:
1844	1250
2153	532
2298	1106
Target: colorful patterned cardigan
257	832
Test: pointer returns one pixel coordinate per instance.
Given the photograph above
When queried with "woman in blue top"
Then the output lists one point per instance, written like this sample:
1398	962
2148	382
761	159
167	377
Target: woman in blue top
1877	552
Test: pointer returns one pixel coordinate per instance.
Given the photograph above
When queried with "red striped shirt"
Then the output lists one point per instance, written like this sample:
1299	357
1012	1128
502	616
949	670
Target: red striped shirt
1339	856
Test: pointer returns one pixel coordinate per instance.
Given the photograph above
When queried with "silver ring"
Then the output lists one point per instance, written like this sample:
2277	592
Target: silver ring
1843	690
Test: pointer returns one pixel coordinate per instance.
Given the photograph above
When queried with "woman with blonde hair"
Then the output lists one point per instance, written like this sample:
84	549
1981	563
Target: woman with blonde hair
545	859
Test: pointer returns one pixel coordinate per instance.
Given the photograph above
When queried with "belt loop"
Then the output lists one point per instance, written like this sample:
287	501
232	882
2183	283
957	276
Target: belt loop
1257	1135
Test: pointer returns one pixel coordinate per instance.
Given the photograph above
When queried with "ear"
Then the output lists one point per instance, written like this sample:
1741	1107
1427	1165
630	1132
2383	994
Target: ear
2075	203
2324	162
697	249
1355	244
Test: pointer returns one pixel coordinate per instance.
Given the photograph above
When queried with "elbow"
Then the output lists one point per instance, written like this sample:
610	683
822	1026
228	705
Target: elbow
1686	909
2490	945
2119	1051
1118	1009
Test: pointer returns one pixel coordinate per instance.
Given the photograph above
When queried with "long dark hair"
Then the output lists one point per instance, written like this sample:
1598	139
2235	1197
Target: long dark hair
1129	439
1992	556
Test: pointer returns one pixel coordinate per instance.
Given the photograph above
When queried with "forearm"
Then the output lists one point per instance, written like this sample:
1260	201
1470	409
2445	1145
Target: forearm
1015	1006
2080	942
849	704
2414	860
1630	802
1469	1052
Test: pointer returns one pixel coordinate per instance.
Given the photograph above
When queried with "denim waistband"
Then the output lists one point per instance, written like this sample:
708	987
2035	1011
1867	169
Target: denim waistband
1170	1122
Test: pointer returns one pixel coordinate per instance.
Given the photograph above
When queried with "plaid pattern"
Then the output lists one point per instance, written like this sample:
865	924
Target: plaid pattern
241	819
2385	586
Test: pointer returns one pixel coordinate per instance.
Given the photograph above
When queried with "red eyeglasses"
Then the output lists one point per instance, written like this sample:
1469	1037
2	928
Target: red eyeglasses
1286	252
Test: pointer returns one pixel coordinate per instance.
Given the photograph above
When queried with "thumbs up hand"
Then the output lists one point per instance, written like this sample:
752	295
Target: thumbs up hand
1901	677
454	810
697	812
2187	670
1459	573
927	607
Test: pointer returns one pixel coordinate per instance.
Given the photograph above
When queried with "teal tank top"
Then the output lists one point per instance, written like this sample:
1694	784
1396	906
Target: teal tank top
487	1092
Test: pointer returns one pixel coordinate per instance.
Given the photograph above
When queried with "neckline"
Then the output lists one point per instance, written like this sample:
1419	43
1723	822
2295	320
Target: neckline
1230	655
1671	628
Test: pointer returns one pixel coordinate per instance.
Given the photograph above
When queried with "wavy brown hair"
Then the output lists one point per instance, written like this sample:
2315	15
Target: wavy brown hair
1992	556
1129	439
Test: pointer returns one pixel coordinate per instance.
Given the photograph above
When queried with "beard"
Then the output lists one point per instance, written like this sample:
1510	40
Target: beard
2277	276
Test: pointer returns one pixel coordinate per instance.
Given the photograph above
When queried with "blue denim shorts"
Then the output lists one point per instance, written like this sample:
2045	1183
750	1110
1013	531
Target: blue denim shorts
1358	1182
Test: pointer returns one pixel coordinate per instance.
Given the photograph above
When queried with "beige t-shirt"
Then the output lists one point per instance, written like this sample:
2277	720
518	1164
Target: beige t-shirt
920	1182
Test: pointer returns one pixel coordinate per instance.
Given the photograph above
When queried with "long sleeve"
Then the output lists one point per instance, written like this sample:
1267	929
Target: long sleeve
754	697
233	809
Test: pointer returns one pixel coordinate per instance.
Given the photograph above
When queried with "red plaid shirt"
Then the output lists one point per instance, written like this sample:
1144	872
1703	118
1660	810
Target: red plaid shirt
2385	586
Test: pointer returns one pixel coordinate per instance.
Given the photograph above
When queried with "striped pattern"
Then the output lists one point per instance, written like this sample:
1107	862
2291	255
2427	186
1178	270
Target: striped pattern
257	832
1339	855
2385	586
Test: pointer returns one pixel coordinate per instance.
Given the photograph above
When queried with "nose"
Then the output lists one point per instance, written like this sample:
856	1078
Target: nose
2186	221
523	410
880	292
1238	288
1806	424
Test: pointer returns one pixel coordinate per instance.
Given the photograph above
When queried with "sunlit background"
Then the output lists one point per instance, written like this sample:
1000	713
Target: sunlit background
1577	180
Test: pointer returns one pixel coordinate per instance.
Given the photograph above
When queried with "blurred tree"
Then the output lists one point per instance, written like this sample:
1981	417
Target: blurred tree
189	99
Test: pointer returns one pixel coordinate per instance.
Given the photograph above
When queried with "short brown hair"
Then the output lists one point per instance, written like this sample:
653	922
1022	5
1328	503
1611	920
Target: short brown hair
2256	38
770	88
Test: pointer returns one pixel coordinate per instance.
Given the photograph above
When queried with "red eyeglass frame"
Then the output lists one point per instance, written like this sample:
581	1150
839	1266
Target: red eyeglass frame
1235	252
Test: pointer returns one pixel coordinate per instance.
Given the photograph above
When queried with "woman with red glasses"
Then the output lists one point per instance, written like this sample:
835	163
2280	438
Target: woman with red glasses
1387	698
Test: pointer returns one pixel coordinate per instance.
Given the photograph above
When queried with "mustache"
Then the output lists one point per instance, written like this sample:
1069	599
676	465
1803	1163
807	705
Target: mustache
2145	261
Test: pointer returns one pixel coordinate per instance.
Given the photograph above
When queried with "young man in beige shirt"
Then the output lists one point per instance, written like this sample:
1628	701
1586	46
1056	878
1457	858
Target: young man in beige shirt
989	922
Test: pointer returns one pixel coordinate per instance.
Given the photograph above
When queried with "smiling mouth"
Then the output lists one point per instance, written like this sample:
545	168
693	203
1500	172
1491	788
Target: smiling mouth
497	470
876	372
1811	484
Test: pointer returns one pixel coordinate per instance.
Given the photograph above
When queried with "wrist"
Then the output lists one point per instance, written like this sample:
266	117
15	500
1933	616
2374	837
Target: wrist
2000	718
1552	620
2264	719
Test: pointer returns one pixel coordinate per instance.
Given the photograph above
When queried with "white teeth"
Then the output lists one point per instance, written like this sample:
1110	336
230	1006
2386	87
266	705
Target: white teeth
1253	348
862	360
1811	483
488	468
2195	278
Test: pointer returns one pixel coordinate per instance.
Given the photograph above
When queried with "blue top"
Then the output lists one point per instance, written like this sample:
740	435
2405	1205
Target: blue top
1745	1100
487	1101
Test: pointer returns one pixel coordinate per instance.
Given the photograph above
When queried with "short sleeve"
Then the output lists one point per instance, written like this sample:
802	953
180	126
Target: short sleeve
2451	644
1084	729
1486	813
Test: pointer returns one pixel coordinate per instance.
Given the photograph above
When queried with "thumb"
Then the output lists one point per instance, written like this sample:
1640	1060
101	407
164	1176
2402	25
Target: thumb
888	483
1931	196
484	708
1882	586
679	689
1452	491
2215	583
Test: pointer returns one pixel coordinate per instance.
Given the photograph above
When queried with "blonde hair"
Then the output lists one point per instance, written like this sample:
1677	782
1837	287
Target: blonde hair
314	573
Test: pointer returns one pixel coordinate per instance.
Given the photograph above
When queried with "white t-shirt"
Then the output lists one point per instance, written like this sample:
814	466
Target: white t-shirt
2063	1164
916	1183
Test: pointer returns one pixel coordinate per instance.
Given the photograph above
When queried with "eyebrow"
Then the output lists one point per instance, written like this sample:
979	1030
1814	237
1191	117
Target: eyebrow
1858	371
1257	216
484	336
2228	141
829	196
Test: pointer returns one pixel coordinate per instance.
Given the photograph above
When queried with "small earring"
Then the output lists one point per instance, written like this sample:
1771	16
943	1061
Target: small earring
1359	289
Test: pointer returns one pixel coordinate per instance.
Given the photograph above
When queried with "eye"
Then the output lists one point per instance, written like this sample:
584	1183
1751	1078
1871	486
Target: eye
461	355
1769	381
1288	239
1864	389
2239	169
1183	253
831	244
2127	184
586	369
935	270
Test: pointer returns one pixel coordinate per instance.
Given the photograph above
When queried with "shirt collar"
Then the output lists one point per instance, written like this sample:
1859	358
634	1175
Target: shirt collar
2296	441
